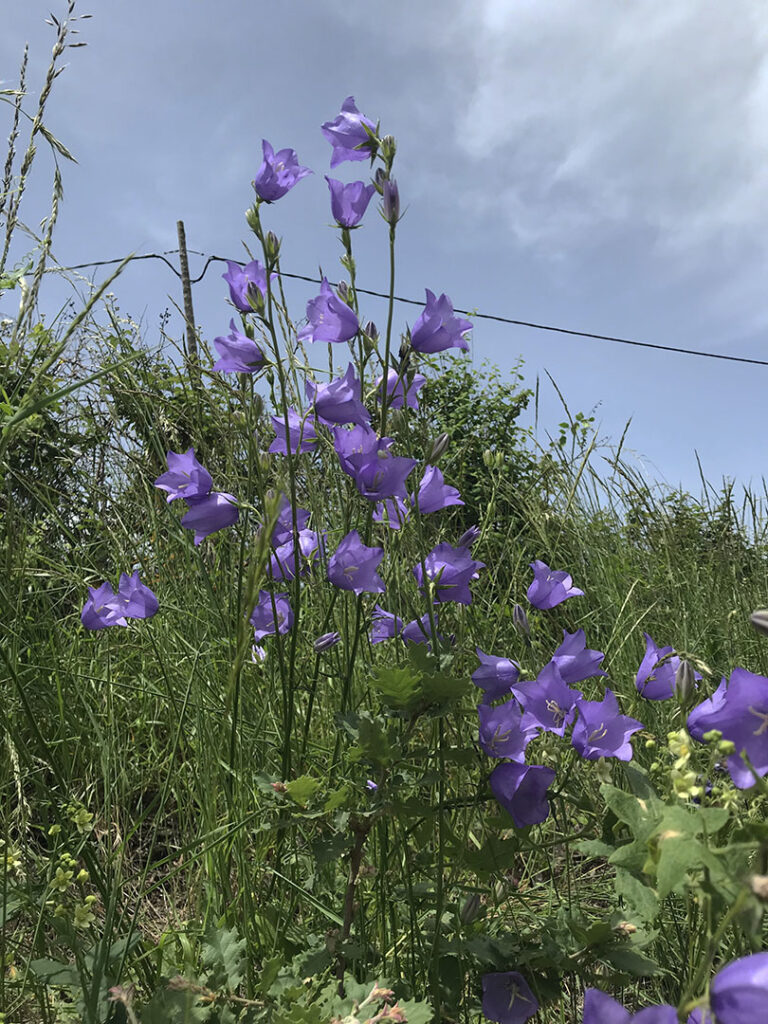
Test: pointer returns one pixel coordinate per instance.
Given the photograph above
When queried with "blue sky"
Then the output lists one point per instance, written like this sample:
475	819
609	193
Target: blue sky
598	166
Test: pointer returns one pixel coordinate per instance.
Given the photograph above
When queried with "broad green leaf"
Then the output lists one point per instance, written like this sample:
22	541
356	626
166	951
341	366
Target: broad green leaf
301	790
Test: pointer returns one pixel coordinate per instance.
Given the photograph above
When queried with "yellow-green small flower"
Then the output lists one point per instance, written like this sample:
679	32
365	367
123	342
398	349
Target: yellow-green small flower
60	910
83	876
61	880
83	916
686	785
54	830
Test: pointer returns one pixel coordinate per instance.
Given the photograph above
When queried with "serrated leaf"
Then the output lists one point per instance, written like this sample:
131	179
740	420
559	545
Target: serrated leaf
594	848
223	953
640	899
373	743
336	799
416	1011
398	687
301	790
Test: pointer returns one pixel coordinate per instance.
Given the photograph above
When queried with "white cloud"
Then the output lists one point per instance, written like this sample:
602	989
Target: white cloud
587	118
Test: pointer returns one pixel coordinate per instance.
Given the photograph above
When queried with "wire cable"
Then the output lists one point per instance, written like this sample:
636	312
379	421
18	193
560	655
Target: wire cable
209	259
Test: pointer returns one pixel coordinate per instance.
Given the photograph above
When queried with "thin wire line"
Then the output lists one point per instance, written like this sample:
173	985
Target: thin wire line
418	302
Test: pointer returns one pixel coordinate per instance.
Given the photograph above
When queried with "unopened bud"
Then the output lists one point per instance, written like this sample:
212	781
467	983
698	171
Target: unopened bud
343	290
726	748
279	787
685	683
759	620
471	909
271	246
488	458
388	149
468	538
712	736
378	180
258	406
390	202
255	298
520	621
325	642
252	219
437	448
759	886
371	331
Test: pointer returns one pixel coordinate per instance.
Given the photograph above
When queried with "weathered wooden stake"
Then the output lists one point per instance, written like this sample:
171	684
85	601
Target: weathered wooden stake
193	360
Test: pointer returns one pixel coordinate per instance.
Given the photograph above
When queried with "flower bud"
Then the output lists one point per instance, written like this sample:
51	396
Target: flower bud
726	748
271	246
378	180
255	298
388	149
258	406
712	736
390	202
468	538
252	219
488	458
325	642
371	331
520	621
343	290
471	909
759	620
685	683
437	448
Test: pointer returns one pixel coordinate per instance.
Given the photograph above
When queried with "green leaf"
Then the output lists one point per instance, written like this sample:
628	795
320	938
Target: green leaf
53	972
373	743
641	900
337	798
223	954
623	958
301	790
417	1011
398	687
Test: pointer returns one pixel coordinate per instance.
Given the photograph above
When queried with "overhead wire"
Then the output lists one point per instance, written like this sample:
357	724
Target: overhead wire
209	259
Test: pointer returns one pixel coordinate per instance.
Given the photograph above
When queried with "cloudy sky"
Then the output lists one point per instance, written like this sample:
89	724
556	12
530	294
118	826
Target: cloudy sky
592	164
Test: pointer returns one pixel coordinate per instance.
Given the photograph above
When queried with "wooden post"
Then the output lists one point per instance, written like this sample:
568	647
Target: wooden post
193	360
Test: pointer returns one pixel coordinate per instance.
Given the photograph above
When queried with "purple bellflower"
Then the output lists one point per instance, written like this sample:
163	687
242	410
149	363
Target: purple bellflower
384	625
496	676
380	474
283	529
401	391
301	436
239	354
353	566
206	515
278	173
263	617
502	733
329	319
468	538
246	280
602	731
185	478
104	607
740	711
437	328
340	400
657	681
507	998
325	642
548	701
521	789
449	570
739	992
700	1016
349	202
435	493
600	1008
393	512
549	587
359	440
419	631
347	134
290	559
574	660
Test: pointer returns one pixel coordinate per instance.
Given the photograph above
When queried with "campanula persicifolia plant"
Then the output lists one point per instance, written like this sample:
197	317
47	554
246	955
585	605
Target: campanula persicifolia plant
345	785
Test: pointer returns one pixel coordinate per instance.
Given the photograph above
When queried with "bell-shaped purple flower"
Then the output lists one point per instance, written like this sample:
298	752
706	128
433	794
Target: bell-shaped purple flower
301	436
602	731
419	631
449	570
347	134
496	676
657	681
507	998
239	353
740	712
349	202
340	400
245	281
574	660
739	992
102	608
435	493
185	478
290	560
325	642
329	319
468	538
208	515
267	620
700	1016
600	1008
283	529
503	732
400	390
353	566
135	599
550	587
384	625
521	789
278	173
380	474
437	328
548	701
393	512
359	440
